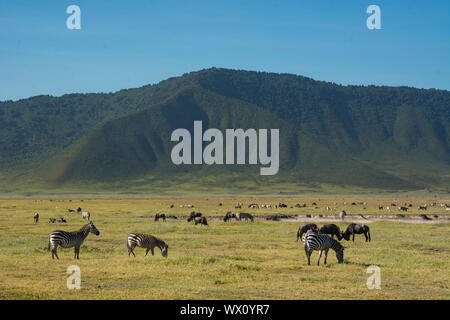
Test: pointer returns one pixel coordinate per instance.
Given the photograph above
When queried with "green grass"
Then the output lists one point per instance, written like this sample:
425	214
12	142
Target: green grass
221	261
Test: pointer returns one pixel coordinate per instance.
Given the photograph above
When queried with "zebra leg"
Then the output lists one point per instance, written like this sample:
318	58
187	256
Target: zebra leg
55	252
146	251
365	235
320	255
77	252
308	254
353	239
326	255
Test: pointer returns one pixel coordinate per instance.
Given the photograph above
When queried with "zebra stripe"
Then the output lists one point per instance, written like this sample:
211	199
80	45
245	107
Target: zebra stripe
146	241
67	239
321	242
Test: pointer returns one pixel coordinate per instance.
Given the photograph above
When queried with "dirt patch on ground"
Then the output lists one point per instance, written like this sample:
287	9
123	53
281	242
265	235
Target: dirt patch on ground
356	218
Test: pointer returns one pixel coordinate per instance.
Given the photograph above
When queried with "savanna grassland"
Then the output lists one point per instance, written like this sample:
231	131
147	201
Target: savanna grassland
234	260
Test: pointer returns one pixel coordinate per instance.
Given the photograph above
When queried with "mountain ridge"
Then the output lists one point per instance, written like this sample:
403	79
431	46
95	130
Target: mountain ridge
373	137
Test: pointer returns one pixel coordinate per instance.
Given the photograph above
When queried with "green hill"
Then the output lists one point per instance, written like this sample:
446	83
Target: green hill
332	138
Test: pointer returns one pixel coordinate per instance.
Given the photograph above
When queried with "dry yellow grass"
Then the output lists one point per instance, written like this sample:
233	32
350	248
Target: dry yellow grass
222	261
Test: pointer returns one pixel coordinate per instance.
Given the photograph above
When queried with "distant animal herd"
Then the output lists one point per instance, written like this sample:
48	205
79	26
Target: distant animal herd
313	237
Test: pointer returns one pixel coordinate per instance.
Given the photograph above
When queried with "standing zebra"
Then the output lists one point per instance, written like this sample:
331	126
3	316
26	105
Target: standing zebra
146	241
321	242
86	215
70	239
36	217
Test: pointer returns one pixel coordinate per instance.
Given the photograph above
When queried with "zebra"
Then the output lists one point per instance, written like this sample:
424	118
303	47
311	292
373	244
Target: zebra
70	239
146	241
36	217
314	241
86	215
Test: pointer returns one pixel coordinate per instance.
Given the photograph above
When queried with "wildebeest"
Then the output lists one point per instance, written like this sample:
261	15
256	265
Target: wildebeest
160	216
146	241
86	215
353	229
171	206
62	220
282	205
70	210
331	229
51	220
36	217
242	215
422	207
303	229
79	210
403	208
230	215
194	215
200	220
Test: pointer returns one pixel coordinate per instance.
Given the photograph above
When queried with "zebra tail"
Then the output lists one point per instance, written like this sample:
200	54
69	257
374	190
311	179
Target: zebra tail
48	248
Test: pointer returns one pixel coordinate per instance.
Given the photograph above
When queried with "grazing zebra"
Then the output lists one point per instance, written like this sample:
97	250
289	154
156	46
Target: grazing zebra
86	215
321	242
70	239
36	217
146	241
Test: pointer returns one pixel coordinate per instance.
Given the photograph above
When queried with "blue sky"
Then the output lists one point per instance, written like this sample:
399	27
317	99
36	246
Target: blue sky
125	44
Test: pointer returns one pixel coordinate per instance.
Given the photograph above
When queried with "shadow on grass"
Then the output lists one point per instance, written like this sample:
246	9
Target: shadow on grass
361	263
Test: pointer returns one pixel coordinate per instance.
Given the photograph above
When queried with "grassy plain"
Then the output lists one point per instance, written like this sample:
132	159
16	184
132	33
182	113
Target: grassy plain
234	260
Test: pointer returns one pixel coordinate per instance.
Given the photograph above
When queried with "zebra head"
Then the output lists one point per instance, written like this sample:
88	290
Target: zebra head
93	229
164	250
340	254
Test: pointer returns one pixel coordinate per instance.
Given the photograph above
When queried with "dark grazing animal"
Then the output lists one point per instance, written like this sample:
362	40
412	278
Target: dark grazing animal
422	207
70	239
353	229
194	215
36	217
160	216
331	229
146	241
201	220
303	229
242	215
70	210
282	205
320	242
230	215
79	210
403	208
51	220
62	220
